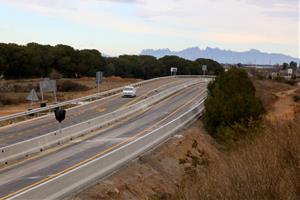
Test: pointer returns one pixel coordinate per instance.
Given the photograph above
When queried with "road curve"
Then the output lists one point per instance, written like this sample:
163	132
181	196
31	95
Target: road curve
29	129
28	174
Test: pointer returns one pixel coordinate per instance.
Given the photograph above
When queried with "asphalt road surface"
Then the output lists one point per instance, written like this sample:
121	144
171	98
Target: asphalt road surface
28	173
32	128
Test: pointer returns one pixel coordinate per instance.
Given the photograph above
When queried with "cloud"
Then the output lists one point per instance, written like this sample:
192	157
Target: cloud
227	22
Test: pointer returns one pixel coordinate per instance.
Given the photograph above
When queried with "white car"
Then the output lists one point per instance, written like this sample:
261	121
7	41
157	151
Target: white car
129	91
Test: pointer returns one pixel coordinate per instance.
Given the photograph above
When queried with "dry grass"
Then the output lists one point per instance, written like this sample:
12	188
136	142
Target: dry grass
267	89
13	93
194	167
266	168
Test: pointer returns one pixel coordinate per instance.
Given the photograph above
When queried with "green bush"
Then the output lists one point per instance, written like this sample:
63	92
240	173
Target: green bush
231	106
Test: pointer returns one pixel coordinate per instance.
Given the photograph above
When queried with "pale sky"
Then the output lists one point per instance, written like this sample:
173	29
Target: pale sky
117	27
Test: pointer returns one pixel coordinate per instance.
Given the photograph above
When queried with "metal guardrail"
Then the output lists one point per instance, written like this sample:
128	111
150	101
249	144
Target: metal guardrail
74	101
73	180
97	95
34	145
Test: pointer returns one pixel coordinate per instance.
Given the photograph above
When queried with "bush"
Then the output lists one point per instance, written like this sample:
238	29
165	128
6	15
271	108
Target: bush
70	86
291	82
279	79
8	99
231	105
296	98
55	75
266	167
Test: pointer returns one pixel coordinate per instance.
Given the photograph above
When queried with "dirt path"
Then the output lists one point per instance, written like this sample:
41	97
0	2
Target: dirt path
284	107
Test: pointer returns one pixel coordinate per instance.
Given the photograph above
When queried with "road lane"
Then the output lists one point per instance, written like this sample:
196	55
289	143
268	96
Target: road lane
24	131
29	173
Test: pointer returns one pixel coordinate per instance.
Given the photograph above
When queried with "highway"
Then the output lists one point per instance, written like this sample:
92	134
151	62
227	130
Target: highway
28	174
32	128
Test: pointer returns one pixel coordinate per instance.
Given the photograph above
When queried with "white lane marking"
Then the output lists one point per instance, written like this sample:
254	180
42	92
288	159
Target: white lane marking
108	139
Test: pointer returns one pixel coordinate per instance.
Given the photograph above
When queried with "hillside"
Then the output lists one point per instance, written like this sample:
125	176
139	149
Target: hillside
263	168
252	56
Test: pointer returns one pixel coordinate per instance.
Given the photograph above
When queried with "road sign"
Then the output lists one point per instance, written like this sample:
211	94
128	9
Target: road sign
60	114
32	96
99	77
48	85
290	72
173	70
204	69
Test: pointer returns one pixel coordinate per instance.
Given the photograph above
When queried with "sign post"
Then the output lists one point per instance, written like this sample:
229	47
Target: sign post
60	115
204	69
32	96
48	85
99	77
173	71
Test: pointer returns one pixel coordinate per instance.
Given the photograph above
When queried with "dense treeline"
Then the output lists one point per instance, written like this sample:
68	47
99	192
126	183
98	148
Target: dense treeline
35	60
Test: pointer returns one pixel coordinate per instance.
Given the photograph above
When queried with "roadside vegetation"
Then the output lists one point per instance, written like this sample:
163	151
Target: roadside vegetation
13	93
232	109
36	61
263	163
264	168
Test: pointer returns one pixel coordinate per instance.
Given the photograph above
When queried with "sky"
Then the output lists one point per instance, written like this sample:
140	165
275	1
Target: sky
117	27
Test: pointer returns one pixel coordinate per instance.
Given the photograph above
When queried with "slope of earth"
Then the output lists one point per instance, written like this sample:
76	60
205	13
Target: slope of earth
192	166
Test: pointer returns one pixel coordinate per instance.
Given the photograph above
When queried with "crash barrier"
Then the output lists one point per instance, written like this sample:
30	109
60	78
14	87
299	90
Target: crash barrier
94	96
40	143
89	172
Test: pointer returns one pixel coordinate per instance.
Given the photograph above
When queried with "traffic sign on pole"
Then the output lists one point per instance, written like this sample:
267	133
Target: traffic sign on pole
204	69
173	71
99	77
32	96
60	114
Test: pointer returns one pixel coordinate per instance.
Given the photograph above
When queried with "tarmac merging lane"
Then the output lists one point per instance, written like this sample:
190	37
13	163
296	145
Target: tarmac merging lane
28	174
36	127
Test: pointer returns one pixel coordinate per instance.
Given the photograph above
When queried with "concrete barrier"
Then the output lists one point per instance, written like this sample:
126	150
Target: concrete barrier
76	179
40	143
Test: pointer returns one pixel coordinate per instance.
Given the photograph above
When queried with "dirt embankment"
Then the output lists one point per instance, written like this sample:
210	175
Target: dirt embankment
193	166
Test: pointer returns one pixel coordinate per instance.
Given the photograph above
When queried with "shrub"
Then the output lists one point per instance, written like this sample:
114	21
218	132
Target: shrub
10	99
231	105
291	82
266	167
55	75
70	86
279	79
296	98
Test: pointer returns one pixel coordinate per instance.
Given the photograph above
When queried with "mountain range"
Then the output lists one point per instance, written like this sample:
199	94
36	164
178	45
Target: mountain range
252	56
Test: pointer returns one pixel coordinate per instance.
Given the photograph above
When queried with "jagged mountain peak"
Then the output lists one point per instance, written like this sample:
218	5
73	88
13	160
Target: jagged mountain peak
252	56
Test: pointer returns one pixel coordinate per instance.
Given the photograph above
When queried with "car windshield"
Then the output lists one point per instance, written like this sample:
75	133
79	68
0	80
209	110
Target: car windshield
128	89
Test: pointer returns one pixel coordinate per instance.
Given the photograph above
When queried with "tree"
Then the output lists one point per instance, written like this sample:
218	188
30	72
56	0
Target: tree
285	66
184	66
35	60
293	65
213	67
231	100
